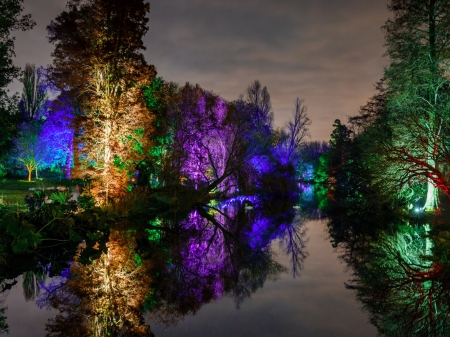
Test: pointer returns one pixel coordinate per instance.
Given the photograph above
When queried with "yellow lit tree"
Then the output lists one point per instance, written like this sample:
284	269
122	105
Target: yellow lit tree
98	60
105	298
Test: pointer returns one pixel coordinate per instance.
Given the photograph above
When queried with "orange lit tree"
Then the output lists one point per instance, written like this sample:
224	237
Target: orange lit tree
105	298
98	60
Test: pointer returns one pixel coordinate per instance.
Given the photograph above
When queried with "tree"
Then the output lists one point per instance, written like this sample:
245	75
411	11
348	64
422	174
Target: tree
415	150
204	142
259	97
29	151
56	136
293	136
34	95
10	20
97	60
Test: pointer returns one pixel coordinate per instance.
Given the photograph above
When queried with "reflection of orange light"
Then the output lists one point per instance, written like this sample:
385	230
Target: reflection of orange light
182	179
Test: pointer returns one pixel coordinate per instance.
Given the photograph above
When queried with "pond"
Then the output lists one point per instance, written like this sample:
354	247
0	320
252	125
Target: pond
245	266
313	303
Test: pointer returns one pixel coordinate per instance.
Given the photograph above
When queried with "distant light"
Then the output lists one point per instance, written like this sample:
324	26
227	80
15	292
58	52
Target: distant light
417	210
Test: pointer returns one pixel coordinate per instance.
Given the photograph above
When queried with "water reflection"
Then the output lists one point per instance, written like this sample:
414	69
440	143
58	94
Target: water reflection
400	268
166	268
218	251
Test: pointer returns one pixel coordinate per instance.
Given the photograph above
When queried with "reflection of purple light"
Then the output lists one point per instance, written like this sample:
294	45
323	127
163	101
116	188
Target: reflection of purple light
203	258
209	258
237	201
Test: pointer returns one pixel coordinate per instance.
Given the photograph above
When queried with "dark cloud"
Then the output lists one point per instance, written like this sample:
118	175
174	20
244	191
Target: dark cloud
328	52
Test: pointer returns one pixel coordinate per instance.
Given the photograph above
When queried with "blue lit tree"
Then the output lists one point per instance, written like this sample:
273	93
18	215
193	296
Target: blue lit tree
56	137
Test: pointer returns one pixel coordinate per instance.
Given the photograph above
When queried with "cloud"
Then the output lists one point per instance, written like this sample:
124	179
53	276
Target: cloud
328	52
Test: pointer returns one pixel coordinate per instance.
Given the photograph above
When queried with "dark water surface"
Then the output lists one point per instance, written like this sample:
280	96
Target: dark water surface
315	303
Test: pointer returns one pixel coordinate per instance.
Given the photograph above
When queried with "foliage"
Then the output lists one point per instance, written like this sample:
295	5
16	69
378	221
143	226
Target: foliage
97	61
414	150
28	150
2	171
56	136
105	297
10	20
27	232
34	94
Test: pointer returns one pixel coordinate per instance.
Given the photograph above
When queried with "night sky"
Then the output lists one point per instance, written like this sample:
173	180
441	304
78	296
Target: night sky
329	52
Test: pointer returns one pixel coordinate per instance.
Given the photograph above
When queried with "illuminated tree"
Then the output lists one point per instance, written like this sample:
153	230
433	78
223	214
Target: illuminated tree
204	142
56	137
28	150
415	152
97	60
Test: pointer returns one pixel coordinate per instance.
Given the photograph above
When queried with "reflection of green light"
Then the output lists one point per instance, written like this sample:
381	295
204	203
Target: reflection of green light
154	234
137	259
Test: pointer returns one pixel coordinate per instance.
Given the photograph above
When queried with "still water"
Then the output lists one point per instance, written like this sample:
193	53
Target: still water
315	303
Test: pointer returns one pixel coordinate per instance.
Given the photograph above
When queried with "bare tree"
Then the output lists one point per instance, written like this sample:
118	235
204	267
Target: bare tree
298	129
259	97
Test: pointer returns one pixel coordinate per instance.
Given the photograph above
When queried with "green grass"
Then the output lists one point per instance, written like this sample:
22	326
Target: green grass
12	192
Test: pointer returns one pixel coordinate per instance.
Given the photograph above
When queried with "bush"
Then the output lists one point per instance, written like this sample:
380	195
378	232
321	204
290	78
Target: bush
2	171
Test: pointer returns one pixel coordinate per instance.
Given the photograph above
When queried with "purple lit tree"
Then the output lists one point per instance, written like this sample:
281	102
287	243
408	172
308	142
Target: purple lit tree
56	137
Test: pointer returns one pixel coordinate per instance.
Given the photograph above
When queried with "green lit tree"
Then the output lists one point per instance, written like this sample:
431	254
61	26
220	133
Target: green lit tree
414	150
28	150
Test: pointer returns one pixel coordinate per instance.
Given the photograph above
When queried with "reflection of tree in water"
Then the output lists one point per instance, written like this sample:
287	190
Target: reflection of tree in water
104	298
219	251
404	292
31	284
293	244
167	267
5	287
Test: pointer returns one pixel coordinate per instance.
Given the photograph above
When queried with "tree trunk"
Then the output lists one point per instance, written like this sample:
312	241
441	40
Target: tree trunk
431	202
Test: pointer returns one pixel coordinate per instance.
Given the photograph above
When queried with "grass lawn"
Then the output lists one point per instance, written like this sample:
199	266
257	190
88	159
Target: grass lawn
12	192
